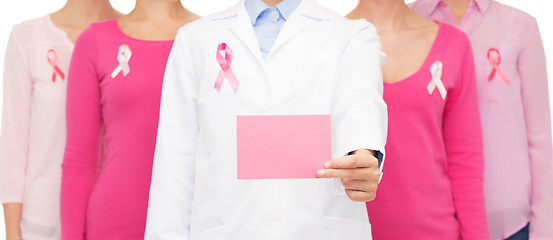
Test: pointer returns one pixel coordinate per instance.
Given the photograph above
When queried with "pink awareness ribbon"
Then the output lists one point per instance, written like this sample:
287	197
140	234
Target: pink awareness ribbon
224	58
494	61
124	54
53	60
436	70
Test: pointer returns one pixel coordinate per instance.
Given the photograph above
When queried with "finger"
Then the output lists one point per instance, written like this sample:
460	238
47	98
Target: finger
359	185
353	161
360	196
356	173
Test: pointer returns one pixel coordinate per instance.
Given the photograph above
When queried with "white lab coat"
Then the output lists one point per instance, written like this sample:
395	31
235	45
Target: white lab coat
321	63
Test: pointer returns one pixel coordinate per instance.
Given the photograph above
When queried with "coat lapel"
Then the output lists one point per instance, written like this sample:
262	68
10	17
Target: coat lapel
243	29
298	22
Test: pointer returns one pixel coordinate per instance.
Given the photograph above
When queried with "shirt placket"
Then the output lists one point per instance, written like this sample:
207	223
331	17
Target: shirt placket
468	19
269	22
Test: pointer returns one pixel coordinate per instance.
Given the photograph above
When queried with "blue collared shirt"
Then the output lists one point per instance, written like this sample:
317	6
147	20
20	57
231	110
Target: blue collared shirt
268	21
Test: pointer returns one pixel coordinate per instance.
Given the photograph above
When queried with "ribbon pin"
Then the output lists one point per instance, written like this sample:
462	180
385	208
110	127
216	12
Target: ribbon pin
123	56
436	81
494	61
224	58
53	60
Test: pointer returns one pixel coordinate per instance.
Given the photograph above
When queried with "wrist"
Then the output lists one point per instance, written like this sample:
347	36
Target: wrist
363	151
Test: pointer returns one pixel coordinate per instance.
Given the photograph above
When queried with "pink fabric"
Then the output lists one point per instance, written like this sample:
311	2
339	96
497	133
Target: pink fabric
432	187
33	125
110	202
516	120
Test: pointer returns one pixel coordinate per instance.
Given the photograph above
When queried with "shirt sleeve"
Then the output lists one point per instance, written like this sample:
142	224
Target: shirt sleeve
84	124
172	183
359	114
533	76
16	118
463	143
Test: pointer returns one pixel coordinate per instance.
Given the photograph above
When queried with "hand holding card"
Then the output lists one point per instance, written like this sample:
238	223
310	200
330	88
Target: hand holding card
358	172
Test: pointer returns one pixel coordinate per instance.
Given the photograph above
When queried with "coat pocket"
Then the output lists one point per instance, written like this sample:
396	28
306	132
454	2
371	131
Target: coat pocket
218	233
336	228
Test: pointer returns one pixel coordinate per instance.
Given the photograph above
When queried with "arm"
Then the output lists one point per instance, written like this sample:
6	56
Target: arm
172	182
84	121
12	218
14	142
463	143
359	116
535	98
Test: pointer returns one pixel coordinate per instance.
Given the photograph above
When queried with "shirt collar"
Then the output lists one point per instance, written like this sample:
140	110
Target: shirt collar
255	7
483	5
432	5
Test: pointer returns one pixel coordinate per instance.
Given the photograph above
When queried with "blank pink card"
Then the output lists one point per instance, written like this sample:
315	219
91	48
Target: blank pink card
283	146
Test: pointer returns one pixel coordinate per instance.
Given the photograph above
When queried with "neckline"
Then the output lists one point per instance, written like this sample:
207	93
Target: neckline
117	27
59	31
426	61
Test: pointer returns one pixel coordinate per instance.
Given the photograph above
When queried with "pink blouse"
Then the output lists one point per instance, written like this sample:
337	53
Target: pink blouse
514	105
433	183
114	84
33	124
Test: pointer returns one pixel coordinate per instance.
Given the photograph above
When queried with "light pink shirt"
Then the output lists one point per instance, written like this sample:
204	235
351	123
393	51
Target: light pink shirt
33	125
515	115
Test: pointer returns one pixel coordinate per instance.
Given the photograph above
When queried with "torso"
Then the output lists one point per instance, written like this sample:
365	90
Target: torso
503	106
129	113
419	124
43	45
305	88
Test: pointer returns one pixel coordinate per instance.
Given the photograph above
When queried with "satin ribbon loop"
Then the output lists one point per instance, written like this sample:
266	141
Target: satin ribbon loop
495	59
224	58
53	61
123	57
436	70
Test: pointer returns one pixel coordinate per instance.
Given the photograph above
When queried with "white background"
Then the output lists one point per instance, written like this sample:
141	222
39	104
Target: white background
15	11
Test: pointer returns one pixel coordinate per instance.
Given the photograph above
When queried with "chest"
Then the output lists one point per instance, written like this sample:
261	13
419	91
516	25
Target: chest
498	37
130	74
405	53
49	65
497	55
298	70
425	94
